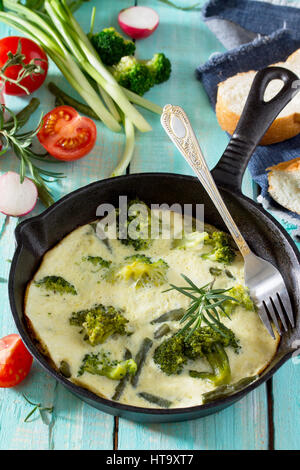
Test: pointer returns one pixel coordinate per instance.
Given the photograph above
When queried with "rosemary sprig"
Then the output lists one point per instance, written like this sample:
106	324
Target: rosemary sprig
21	144
37	406
205	303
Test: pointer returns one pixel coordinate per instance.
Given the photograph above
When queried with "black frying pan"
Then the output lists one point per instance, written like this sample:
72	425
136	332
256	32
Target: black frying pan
264	235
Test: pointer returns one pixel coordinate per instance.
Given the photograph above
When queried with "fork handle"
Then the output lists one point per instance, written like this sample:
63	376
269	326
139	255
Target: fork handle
179	129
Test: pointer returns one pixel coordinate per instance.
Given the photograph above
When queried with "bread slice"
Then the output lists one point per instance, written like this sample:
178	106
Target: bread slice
284	184
232	95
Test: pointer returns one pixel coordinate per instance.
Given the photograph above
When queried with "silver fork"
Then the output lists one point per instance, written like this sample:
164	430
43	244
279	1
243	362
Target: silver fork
266	285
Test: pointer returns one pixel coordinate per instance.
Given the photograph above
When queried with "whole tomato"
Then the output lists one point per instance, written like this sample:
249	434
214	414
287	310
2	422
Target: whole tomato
15	361
21	56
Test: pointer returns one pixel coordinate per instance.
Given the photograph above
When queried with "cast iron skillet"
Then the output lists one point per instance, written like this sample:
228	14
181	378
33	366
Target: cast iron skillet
264	235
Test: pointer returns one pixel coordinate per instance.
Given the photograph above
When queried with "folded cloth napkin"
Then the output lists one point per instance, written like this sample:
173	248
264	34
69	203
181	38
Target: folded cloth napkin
258	33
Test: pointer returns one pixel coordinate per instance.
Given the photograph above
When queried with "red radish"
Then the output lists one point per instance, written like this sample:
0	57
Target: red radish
138	22
15	198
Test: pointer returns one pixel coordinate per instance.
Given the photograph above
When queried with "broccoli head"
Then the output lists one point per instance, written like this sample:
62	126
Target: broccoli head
190	240
219	363
170	356
111	46
101	364
241	296
202	340
133	75
140	269
222	252
56	284
159	67
97	261
100	322
138	218
223	255
210	343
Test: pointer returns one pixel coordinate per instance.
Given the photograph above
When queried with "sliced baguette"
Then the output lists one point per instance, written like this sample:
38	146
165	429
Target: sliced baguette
232	95
284	184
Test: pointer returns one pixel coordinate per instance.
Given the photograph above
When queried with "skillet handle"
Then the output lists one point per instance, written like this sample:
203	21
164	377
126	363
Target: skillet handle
256	118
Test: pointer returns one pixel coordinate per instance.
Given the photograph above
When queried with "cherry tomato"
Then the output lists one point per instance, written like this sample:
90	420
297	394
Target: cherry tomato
31	51
15	361
66	135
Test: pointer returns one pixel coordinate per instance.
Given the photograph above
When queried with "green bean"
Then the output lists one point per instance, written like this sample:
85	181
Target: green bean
24	115
161	331
140	359
226	390
172	315
64	369
201	375
66	99
215	271
58	101
122	384
162	402
229	274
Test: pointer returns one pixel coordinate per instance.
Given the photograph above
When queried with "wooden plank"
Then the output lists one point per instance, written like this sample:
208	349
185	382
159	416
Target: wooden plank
286	403
240	427
187	41
78	426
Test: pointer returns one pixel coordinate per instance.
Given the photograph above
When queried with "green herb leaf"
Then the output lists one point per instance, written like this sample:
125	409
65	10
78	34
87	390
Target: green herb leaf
39	407
203	308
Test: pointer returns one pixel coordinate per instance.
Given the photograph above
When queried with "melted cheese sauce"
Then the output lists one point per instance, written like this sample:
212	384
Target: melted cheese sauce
49	315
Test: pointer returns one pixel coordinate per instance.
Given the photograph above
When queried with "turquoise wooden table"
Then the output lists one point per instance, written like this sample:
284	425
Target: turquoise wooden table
267	418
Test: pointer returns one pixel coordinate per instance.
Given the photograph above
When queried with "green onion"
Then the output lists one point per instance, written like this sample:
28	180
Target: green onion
128	150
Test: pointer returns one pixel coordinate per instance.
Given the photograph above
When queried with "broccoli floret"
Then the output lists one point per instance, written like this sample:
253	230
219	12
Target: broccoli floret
159	67
218	239
111	46
140	269
223	255
222	251
241	296
97	261
56	284
101	364
99	323
202	340
210	343
140	221
170	356
133	75
190	240
218	361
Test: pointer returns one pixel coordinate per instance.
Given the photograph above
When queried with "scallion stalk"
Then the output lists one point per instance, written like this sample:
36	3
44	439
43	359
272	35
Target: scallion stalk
128	150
